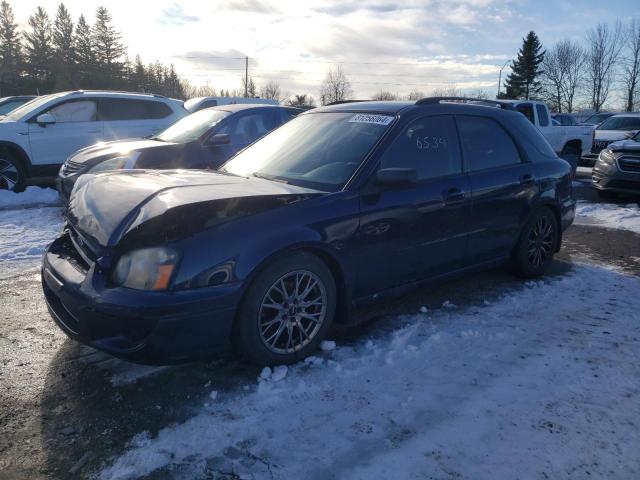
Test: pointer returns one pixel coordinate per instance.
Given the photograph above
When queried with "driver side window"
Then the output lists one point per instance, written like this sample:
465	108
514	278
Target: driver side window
80	111
429	145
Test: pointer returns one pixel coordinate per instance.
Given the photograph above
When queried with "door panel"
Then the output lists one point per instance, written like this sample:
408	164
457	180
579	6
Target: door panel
415	233
75	128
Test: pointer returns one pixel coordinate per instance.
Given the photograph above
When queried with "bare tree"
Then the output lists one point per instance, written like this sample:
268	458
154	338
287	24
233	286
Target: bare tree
303	100
415	95
563	68
335	87
603	50
450	91
271	91
631	63
382	95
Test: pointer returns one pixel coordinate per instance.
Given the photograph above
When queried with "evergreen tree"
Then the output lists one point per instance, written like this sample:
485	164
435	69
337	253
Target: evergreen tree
10	51
522	81
108	47
63	47
84	54
39	51
139	76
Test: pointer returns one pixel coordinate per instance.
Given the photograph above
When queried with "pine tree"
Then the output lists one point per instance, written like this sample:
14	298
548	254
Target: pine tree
108	47
84	54
139	76
39	50
64	49
522	81
10	51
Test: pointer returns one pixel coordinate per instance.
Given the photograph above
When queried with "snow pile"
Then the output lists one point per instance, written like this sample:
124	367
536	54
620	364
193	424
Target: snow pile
535	384
24	235
625	217
30	196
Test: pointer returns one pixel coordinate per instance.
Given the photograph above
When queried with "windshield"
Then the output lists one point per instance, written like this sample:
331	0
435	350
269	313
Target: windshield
28	107
620	123
597	118
192	126
319	150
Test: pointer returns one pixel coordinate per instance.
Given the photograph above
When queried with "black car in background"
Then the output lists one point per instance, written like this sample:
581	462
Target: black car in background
617	169
341	206
8	104
203	140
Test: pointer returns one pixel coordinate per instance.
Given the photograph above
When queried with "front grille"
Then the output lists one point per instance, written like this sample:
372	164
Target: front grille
599	145
629	164
69	167
82	247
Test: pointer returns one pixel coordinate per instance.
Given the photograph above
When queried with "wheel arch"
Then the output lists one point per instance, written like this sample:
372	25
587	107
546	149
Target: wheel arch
576	143
17	151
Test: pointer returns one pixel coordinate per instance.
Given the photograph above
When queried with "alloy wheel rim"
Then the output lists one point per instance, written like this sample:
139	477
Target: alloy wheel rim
540	242
8	174
292	312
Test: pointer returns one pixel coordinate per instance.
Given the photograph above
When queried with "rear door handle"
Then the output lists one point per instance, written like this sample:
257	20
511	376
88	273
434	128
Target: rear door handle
527	179
455	195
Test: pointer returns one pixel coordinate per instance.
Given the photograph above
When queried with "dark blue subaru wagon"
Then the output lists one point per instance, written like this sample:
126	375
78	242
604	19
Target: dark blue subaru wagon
339	206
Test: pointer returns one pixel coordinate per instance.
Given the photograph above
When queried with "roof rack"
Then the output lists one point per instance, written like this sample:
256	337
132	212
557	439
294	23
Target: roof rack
157	95
339	102
484	101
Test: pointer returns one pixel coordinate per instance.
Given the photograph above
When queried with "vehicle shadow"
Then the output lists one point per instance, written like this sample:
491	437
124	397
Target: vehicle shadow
93	405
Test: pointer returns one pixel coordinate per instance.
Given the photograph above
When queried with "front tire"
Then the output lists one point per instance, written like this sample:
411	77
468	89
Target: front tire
537	244
12	176
287	311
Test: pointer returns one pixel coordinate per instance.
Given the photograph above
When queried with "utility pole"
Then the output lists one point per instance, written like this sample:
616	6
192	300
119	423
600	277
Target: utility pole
500	77
246	76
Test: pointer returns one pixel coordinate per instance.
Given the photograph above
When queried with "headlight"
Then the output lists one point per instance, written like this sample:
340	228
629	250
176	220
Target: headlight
116	163
146	269
607	156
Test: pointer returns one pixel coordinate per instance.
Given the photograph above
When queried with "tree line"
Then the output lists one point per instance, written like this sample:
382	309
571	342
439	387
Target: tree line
591	73
57	54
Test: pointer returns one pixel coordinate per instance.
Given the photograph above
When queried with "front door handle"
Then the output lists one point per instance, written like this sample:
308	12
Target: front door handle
527	179
455	195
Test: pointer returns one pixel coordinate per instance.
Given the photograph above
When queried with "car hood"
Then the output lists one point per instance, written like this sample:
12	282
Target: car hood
119	148
611	134
625	146
107	207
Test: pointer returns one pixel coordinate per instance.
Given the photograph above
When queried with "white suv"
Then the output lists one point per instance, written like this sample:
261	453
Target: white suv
37	138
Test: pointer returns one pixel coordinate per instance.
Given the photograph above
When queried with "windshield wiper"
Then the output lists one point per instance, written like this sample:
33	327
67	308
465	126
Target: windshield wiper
268	177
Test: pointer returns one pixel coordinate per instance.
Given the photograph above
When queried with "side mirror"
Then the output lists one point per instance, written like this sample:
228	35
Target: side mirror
219	139
396	178
45	119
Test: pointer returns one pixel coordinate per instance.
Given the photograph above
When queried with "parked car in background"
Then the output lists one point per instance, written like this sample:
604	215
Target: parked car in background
568	141
341	206
205	139
36	138
8	104
617	169
613	129
198	103
565	119
597	118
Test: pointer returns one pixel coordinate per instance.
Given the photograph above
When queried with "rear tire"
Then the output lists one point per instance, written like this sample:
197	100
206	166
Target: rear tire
286	311
537	244
12	175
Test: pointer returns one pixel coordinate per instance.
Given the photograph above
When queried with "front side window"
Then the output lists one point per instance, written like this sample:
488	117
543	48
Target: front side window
485	143
543	116
192	126
429	145
527	110
78	111
249	127
315	150
621	123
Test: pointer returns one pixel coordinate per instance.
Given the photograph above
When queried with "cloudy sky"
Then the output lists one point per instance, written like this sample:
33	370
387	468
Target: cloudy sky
389	45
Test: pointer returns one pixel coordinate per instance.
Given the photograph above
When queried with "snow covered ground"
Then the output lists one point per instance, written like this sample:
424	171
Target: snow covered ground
535	385
610	215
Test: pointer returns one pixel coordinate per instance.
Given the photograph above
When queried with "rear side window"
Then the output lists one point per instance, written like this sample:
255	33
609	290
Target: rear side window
429	145
530	136
543	116
247	128
485	143
7	107
115	109
527	110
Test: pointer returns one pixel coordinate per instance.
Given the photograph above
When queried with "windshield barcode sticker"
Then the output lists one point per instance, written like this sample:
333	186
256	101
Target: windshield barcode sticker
369	118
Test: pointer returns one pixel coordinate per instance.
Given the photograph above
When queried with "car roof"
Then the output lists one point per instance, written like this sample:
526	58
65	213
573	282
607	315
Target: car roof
391	108
238	107
627	114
